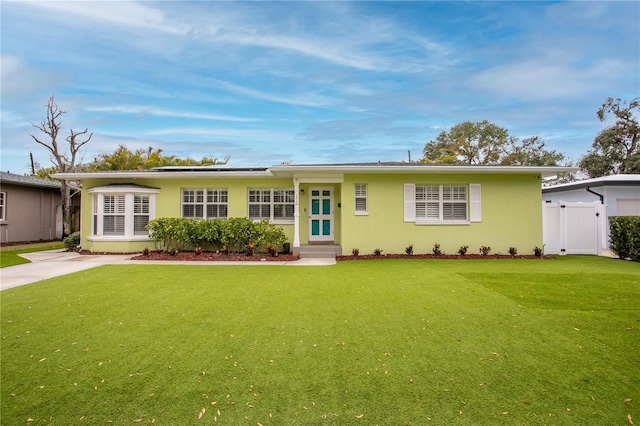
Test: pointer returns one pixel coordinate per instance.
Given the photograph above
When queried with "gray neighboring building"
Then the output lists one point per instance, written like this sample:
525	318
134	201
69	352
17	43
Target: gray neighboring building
30	209
620	193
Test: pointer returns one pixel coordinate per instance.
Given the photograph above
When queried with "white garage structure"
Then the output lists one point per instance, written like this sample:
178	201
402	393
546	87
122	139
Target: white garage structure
576	215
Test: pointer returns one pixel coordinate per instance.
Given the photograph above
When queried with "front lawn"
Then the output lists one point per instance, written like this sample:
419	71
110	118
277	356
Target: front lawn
393	342
9	254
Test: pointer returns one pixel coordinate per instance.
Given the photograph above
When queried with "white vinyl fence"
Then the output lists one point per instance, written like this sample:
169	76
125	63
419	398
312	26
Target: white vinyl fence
574	228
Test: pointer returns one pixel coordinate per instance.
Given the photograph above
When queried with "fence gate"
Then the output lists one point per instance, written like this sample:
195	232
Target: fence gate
573	228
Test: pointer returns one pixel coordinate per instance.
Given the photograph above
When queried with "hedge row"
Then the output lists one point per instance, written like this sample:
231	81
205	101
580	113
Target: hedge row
625	236
237	234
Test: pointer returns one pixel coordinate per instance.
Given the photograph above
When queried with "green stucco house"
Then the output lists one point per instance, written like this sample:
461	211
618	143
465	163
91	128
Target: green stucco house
343	206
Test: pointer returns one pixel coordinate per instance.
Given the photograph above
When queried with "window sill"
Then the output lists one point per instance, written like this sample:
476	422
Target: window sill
118	238
361	213
437	223
282	222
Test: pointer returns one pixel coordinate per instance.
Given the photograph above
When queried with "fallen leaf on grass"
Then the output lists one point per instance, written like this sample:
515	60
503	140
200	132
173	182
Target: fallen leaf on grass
201	413
629	418
360	416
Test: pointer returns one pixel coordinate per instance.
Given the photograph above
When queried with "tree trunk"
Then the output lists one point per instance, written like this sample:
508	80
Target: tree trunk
65	191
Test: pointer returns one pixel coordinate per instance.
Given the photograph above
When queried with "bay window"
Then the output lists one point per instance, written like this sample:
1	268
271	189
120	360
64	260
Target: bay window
121	212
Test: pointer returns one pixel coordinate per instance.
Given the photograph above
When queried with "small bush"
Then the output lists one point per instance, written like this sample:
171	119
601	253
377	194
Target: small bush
72	241
513	251
145	251
463	250
436	249
355	252
537	251
272	250
409	250
377	252
197	251
625	236
485	250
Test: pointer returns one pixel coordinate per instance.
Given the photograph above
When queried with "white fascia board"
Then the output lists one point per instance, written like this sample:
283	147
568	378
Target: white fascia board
118	189
300	170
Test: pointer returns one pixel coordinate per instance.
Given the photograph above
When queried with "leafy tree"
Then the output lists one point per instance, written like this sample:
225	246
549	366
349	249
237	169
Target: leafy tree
484	143
125	159
616	149
65	159
530	152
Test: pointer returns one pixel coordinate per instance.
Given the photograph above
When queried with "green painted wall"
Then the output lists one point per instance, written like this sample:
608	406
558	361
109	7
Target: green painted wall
511	215
168	204
511	212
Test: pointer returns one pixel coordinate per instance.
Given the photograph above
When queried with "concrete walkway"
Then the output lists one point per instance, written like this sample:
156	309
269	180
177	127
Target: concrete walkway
55	263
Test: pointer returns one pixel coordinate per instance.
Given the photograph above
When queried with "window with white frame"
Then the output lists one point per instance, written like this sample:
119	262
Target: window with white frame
272	204
122	212
361	207
205	203
3	206
442	204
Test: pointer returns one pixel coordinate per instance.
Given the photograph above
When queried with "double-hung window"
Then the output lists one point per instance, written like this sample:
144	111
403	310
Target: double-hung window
273	204
121	212
361	207
205	203
3	206
442	204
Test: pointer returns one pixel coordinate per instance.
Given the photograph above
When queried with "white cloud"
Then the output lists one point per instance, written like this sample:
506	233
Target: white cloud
20	79
148	110
126	13
544	78
310	99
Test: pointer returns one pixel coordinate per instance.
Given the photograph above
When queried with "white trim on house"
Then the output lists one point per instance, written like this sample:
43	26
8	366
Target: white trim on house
421	211
3	206
308	173
125	207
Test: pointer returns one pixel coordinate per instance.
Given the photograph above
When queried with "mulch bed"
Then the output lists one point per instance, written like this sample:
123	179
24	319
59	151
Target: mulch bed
442	256
260	257
215	257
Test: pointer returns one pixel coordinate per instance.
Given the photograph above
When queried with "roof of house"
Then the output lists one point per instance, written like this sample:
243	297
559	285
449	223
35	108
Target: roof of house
613	180
22	180
288	170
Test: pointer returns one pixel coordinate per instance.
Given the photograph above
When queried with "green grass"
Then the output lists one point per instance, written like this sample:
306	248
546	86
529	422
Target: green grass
9	255
394	342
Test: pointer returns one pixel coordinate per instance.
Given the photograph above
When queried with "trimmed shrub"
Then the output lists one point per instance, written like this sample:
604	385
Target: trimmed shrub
231	235
625	236
72	241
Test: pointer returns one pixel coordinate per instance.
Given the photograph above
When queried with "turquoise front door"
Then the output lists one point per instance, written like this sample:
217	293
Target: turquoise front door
320	214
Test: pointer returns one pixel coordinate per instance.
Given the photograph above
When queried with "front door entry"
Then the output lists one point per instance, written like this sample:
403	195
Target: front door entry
321	214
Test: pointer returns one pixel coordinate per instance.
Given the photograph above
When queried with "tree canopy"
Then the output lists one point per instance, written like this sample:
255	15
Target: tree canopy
485	143
616	149
125	159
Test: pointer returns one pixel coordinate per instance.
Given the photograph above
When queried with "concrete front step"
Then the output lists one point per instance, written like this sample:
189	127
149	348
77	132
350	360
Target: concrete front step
320	251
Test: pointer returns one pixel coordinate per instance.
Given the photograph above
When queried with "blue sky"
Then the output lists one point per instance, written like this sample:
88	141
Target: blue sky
309	82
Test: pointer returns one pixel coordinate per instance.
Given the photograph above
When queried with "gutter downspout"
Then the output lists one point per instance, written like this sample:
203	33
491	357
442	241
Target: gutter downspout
595	193
603	230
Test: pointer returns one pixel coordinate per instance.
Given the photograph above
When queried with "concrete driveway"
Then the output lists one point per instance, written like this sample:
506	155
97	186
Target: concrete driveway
55	263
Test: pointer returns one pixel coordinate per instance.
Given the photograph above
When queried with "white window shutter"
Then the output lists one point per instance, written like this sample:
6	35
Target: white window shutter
409	202
475	203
